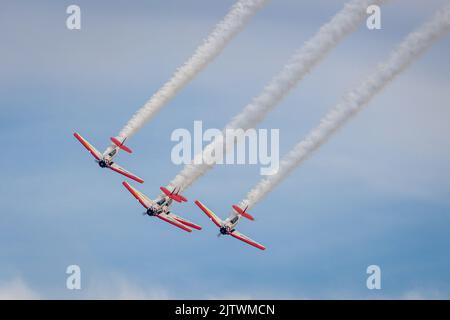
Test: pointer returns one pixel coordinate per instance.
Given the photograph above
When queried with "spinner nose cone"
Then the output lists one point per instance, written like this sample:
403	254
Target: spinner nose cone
150	212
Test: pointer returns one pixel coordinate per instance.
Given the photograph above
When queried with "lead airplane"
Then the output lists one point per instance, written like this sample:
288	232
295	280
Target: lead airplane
160	207
227	227
104	159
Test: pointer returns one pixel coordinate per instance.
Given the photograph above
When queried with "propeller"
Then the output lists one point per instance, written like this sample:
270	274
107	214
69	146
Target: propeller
223	231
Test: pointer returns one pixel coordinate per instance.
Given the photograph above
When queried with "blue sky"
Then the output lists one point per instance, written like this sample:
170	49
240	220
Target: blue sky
377	193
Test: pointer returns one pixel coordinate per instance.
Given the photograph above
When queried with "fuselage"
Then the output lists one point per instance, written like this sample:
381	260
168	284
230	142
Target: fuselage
229	224
107	156
161	205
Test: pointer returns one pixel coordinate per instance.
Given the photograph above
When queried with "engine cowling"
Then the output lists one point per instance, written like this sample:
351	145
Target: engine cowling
151	211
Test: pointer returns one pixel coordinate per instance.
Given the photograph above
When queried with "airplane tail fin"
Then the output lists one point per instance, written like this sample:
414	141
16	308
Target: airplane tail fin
243	213
121	144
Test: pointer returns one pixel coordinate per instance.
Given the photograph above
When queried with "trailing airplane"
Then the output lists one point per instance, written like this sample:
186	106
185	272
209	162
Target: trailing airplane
160	207
227	227
104	159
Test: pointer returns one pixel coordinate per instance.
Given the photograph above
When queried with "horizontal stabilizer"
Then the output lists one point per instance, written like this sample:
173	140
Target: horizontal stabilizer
173	195
121	145
243	212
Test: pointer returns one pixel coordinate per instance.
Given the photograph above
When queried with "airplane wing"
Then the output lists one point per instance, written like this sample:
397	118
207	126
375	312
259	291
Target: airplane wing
217	221
171	220
142	198
115	167
246	239
97	155
185	222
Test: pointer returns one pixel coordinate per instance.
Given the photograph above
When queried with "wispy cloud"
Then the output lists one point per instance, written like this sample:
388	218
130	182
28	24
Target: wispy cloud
118	287
17	289
420	294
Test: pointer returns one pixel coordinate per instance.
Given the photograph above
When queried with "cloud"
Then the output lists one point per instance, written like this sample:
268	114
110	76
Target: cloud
17	289
119	288
231	296
419	294
387	194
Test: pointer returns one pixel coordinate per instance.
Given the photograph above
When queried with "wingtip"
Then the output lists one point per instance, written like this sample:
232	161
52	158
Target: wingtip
249	217
77	136
128	186
196	226
140	180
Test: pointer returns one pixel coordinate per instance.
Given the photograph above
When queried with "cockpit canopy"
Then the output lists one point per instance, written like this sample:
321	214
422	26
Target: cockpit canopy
234	219
112	153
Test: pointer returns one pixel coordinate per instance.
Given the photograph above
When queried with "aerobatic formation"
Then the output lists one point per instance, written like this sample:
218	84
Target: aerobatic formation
302	62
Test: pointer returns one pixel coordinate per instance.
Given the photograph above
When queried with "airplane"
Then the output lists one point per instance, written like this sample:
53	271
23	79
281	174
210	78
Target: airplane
227	227
104	159
160	207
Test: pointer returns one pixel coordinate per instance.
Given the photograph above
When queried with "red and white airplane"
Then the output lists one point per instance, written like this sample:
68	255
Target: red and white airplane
160	207
104	159
227	227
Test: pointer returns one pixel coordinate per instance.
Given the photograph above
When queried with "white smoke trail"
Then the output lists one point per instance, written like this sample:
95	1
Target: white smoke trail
403	55
224	31
302	62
